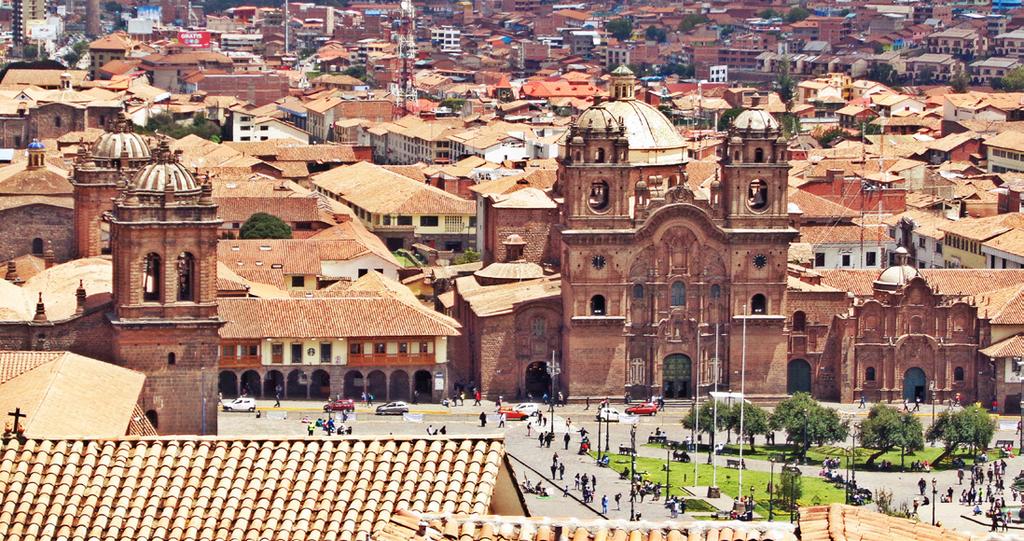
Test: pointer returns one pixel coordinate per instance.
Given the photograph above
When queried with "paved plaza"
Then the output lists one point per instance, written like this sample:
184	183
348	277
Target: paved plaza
531	462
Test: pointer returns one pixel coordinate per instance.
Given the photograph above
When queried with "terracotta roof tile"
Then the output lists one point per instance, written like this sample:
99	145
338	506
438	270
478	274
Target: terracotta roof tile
15	363
944	281
381	191
410	526
217	489
838	522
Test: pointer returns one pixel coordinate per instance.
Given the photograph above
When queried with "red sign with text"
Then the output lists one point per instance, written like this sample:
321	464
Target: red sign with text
197	40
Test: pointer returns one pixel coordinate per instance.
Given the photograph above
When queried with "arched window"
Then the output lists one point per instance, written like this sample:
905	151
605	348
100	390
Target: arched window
678	294
799	321
638	291
869	374
716	291
539	327
757	194
958	373
758	155
758	304
153	418
151	284
56	121
736	156
597	307
579	156
186	277
598	199
37	246
599	155
171	358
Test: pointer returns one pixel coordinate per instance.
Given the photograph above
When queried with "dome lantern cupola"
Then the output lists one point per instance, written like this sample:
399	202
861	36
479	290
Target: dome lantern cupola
622	84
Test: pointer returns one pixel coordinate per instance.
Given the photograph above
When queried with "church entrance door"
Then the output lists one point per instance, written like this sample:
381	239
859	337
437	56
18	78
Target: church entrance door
676	375
538	381
914	384
798	377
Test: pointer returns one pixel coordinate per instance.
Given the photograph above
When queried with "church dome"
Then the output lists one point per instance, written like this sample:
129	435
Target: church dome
121	142
164	174
646	128
755	120
515	271
897	275
36	145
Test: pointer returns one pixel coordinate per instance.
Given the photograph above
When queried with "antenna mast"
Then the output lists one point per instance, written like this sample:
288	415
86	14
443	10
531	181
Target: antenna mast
287	23
404	89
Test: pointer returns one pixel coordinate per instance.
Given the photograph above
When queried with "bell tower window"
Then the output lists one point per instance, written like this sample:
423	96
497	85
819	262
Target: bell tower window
757	194
599	155
151	278
758	304
597	305
598	199
186	267
759	155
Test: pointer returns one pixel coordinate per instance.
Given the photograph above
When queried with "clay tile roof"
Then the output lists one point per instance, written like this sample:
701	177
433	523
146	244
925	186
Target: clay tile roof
51	394
1008	347
15	363
407	525
943	281
844	234
838	522
380	191
191	488
813	206
289	209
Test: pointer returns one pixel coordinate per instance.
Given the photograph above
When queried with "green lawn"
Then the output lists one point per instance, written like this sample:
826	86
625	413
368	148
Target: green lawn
403	260
815	490
817	454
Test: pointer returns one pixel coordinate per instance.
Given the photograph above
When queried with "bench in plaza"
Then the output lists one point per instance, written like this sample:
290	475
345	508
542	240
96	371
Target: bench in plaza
733	463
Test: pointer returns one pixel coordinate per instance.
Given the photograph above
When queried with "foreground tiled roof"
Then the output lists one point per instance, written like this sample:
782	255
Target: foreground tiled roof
407	526
848	523
217	489
16	363
1009	347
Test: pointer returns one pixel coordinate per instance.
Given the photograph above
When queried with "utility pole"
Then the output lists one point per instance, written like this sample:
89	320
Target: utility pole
287	24
632	471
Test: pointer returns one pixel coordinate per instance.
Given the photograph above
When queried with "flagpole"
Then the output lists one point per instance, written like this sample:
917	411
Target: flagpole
714	417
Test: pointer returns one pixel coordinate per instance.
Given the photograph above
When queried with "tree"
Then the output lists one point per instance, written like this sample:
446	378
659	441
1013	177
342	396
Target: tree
165	124
621	28
726	118
960	82
784	82
790	488
706	416
656	33
886	428
264	226
806	421
1013	81
756	421
469	256
358	71
691	21
797	14
969	427
831	136
769	14
882	73
682	70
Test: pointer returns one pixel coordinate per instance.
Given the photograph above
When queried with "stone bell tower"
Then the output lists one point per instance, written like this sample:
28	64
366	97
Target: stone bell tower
164	246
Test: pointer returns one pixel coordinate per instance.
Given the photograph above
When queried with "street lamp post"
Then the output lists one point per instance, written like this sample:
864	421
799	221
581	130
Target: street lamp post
599	434
771	487
607	427
1019	364
632	471
553	371
803	452
935	503
931	386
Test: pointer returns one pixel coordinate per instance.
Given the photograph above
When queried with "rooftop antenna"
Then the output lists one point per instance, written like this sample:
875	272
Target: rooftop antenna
405	89
287	23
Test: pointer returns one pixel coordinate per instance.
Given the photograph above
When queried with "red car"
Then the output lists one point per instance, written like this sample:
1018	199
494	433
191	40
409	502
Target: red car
345	404
512	415
647	408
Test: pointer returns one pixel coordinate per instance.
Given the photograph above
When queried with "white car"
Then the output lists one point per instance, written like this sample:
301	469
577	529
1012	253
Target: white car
240	404
527	408
611	415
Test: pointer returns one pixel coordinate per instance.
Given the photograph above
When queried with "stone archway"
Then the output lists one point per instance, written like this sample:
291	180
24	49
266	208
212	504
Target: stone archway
915	385
537	380
377	385
320	385
398	387
353	385
272	381
251	382
676	376
422	384
798	376
297	385
227	384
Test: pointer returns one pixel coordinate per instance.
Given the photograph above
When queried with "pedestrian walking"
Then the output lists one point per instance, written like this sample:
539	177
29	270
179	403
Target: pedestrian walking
476	398
277	400
863	401
604	504
565	492
483	419
917	403
554	470
618	502
561	471
501	420
540	438
593	482
921	485
576	482
565	439
587	402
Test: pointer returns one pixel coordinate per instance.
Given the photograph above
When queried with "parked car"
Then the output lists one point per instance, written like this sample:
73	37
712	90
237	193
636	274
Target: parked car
393	408
513	414
240	404
344	404
647	408
608	414
527	408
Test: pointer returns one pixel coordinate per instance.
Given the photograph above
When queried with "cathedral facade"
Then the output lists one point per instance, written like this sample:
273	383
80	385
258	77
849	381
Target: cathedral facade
666	286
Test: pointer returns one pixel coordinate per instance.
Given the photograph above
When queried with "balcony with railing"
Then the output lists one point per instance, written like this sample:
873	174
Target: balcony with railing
389	359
